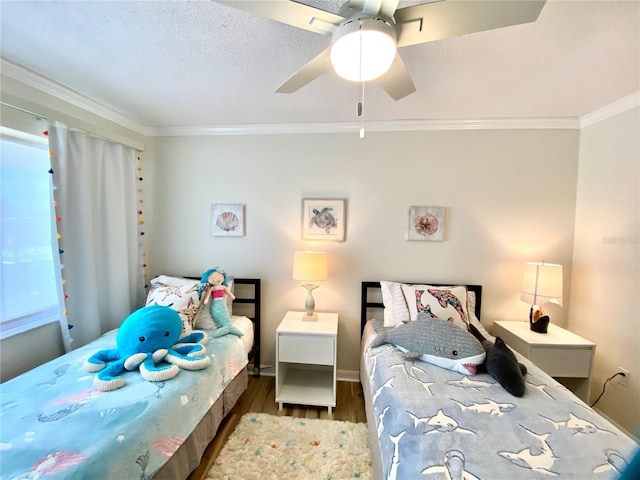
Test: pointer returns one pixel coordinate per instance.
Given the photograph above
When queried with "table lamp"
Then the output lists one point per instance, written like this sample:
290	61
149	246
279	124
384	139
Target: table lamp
310	268
541	283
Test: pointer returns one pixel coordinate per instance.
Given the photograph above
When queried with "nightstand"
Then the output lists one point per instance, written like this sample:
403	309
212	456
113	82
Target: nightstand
560	353
306	360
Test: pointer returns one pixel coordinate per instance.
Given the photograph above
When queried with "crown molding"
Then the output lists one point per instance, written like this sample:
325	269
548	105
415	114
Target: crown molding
611	110
369	126
48	86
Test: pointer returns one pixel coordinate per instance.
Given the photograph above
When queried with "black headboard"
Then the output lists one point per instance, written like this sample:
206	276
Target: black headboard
368	288
254	300
250	297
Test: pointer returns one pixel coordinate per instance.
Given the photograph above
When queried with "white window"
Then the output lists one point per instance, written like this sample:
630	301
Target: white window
30	293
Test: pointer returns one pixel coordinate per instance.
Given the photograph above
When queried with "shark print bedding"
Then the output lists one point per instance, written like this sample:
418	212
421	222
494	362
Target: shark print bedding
435	423
56	425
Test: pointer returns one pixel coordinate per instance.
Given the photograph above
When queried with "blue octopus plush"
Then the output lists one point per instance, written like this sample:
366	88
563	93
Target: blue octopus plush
147	337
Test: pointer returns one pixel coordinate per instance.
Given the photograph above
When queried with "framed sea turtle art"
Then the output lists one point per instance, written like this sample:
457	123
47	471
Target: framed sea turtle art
324	219
426	224
227	220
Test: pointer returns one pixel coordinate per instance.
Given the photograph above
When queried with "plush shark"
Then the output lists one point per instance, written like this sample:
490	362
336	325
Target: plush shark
434	341
502	364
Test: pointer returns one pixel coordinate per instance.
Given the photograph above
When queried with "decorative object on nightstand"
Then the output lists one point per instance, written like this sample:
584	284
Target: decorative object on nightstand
310	268
541	283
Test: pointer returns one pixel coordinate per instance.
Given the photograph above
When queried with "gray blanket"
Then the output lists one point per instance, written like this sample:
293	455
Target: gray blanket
437	423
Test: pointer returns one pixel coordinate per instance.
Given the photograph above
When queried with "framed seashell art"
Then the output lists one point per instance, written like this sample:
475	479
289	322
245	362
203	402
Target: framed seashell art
324	219
227	220
426	224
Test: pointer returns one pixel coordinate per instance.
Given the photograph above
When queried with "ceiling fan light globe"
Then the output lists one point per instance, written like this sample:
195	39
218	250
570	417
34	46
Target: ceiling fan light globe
377	40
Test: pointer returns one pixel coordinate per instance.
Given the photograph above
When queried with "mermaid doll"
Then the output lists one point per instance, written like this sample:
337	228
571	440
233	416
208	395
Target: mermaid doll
216	291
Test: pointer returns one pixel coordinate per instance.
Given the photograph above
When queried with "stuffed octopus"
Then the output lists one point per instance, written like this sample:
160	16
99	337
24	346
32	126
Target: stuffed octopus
148	336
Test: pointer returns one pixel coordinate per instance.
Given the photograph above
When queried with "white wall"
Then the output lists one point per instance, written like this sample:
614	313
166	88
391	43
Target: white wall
605	284
509	194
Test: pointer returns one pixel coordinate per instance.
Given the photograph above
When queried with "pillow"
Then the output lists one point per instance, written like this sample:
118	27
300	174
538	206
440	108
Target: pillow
434	341
473	320
181	295
204	320
396	311
448	303
173	281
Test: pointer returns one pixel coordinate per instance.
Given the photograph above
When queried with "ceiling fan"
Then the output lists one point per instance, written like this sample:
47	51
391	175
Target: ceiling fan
367	33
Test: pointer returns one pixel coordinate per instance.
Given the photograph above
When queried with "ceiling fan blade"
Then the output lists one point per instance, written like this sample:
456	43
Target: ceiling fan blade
385	8
388	8
451	18
397	81
290	12
312	70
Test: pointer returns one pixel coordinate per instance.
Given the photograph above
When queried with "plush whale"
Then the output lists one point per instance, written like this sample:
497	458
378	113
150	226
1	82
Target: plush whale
434	341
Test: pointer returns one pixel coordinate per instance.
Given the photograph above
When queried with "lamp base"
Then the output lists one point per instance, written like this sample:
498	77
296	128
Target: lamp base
313	317
310	303
540	325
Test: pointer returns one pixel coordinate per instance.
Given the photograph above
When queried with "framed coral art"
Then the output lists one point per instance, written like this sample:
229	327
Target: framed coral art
426	224
227	220
323	219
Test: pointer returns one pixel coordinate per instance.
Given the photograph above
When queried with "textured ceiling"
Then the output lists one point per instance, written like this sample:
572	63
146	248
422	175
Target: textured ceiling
195	63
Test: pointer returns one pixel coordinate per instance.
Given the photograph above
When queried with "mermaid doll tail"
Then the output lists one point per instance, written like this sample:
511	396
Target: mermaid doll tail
220	315
222	331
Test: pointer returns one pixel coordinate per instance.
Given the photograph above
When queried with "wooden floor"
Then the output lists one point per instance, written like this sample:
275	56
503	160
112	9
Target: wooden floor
260	397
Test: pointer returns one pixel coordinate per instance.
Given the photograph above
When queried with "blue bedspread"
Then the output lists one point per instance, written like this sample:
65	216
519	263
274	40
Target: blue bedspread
436	423
55	424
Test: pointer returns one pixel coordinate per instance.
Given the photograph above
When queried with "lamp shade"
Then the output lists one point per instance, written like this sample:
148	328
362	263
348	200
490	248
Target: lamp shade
363	49
310	266
542	283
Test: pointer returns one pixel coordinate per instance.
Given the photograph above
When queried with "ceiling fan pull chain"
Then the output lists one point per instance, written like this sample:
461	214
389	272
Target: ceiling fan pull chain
361	102
361	109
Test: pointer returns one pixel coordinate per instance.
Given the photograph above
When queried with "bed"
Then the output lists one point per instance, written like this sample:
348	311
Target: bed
426	421
55	423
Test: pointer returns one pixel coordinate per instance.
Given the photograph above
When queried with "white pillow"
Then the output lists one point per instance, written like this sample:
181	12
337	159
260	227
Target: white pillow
475	321
184	299
448	303
173	281
396	311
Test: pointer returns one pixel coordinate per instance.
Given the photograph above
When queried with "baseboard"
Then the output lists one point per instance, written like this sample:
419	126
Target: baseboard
348	375
268	370
629	434
342	375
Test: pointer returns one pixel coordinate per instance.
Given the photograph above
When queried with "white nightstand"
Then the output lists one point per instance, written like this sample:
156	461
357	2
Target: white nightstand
306	360
560	353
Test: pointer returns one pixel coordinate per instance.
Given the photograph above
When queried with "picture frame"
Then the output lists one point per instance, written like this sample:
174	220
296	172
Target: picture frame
324	219
227	220
426	224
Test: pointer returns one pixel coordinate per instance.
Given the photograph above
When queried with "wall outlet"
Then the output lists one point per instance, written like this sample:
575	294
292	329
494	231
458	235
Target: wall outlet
623	381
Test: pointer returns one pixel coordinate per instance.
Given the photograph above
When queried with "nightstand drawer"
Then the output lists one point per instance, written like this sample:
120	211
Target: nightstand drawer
312	349
563	362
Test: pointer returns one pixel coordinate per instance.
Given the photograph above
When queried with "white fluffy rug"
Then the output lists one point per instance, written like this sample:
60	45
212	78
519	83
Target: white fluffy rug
268	447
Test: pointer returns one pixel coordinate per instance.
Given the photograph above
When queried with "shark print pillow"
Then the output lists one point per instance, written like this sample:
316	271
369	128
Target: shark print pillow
447	303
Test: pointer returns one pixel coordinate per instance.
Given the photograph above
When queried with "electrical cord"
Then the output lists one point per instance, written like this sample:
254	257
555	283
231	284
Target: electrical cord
605	386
